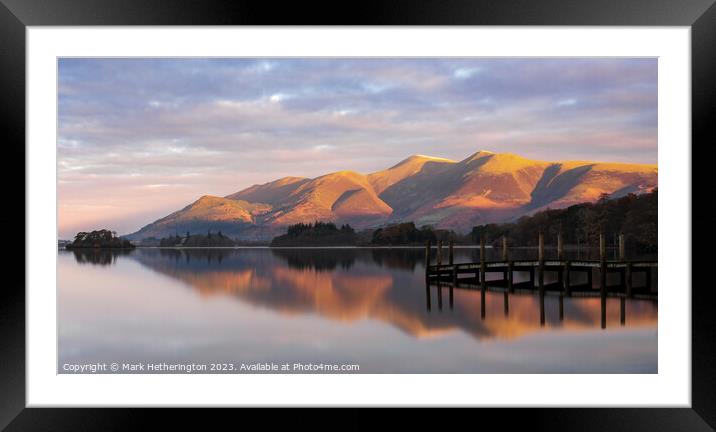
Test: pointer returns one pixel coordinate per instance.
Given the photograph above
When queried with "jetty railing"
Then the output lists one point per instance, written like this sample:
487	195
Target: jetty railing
564	268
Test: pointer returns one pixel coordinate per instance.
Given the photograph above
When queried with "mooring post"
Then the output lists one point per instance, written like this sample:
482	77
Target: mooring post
482	304
565	279
622	310
450	254
510	276
506	275
540	274
560	257
628	279
440	254
450	293
453	267
602	265
427	260
507	303
541	308
483	262
427	294
622	248
560	247
561	307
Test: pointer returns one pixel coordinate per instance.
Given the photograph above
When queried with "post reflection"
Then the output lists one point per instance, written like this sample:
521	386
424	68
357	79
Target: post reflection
581	311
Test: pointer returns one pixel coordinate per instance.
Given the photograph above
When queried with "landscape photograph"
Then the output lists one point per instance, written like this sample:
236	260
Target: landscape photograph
357	215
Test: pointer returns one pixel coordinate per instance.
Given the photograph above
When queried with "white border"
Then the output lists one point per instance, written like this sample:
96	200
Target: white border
670	387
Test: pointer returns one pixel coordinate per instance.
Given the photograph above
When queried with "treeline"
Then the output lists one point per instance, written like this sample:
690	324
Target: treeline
406	234
197	240
99	239
633	215
317	234
328	234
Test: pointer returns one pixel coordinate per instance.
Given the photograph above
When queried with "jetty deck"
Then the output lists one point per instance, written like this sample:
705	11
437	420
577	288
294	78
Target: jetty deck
475	274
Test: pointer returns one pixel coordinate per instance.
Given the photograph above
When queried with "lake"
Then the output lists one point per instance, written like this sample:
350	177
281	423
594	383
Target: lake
355	310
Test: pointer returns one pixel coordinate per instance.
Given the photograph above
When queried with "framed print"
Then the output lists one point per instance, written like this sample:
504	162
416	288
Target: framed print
389	211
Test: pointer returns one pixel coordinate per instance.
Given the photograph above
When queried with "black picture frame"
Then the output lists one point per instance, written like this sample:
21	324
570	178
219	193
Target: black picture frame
700	15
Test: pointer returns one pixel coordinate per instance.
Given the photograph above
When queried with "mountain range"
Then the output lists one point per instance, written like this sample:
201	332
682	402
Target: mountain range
485	187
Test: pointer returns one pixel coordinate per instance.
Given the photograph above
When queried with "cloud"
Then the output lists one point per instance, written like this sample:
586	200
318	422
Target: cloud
131	128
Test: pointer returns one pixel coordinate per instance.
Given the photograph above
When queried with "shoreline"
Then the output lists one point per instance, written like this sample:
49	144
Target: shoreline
566	247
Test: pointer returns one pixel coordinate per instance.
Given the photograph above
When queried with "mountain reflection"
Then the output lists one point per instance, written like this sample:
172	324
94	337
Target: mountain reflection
382	284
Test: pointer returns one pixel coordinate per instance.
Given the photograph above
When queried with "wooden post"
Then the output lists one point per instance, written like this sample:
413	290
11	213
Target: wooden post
507	304
510	277
427	294
540	271
565	279
427	261
622	310
505	258
440	252
602	265
450	253
450	295
541	308
561	307
628	279
482	303
622	248
560	247
483	263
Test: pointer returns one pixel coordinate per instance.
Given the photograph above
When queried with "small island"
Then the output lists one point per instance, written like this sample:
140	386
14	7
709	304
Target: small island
100	239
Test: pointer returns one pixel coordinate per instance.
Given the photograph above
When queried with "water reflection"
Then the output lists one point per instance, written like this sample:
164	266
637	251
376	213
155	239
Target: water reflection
386	285
583	306
102	257
365	306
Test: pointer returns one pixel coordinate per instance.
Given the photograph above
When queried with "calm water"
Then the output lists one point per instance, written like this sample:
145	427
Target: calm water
365	307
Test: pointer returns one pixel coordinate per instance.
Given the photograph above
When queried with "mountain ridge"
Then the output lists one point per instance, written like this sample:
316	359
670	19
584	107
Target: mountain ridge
485	187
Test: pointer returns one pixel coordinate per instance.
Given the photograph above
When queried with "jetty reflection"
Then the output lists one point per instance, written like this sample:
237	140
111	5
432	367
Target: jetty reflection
546	311
386	285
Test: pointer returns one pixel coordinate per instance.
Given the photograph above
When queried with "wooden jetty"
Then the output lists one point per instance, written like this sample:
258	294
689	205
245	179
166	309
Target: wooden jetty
455	273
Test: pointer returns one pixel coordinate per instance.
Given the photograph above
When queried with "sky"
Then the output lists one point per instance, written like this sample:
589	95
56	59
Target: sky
141	138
